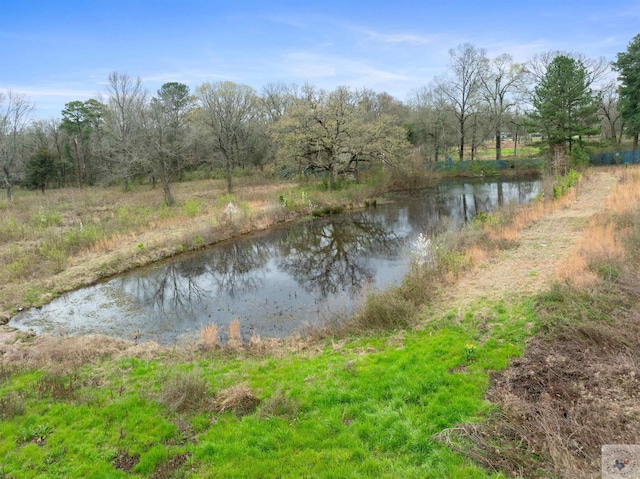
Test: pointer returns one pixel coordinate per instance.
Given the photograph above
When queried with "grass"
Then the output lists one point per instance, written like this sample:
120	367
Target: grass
363	410
357	404
369	402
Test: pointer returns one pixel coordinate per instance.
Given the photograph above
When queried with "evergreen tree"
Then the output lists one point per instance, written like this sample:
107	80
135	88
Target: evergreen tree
564	105
628	67
41	167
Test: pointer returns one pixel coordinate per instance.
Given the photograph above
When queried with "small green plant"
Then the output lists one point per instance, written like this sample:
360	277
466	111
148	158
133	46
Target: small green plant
470	351
35	434
563	183
198	241
191	207
141	246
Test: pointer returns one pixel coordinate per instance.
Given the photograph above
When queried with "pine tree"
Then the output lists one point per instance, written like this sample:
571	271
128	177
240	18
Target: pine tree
564	105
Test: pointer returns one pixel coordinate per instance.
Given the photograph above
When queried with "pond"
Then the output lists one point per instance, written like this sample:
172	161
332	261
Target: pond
274	281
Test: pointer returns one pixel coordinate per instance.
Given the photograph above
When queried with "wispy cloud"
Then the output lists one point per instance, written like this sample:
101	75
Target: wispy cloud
395	38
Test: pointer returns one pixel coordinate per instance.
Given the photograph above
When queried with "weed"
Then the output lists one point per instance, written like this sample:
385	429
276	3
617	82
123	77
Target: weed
11	405
198	241
36	434
279	405
239	399
57	387
235	334
470	352
223	200
186	392
385	310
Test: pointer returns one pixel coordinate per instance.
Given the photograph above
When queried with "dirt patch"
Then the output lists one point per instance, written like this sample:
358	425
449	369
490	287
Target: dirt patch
560	404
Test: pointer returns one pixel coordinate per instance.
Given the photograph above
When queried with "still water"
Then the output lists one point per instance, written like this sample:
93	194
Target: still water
273	281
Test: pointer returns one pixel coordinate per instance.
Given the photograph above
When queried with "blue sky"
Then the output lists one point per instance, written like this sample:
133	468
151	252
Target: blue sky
58	51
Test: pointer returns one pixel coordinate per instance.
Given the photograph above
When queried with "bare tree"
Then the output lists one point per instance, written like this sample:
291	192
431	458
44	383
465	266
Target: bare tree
168	135
276	98
613	123
432	125
125	104
500	81
15	109
461	90
228	109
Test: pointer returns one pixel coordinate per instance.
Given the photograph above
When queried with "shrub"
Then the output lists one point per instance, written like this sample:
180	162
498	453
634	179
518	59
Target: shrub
186	391
191	207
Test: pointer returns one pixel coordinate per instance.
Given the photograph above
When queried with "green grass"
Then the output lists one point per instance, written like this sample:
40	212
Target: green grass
367	409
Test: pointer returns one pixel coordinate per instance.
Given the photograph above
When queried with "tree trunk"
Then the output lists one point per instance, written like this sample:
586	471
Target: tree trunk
79	172
228	173
7	182
461	148
168	197
333	174
498	145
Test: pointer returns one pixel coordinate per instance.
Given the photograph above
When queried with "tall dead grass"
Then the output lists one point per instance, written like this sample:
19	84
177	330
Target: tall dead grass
600	250
209	337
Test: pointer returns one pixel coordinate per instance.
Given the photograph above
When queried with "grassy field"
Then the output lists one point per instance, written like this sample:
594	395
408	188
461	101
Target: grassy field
361	408
367	398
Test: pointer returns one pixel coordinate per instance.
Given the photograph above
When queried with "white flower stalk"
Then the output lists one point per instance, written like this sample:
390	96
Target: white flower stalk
424	252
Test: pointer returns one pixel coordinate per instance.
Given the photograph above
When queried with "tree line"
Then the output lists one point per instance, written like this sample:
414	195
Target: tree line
126	133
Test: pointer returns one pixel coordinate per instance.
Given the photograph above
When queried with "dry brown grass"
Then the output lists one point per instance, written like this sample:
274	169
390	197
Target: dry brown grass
240	399
279	405
186	392
64	354
209	337
235	335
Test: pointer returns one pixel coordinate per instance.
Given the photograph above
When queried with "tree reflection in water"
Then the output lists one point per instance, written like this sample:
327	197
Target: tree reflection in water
329	256
183	286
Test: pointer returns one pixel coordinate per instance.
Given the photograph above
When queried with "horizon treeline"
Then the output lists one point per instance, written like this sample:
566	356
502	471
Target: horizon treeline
128	134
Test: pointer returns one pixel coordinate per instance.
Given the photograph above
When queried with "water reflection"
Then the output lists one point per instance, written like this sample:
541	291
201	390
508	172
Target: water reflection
332	256
273	280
